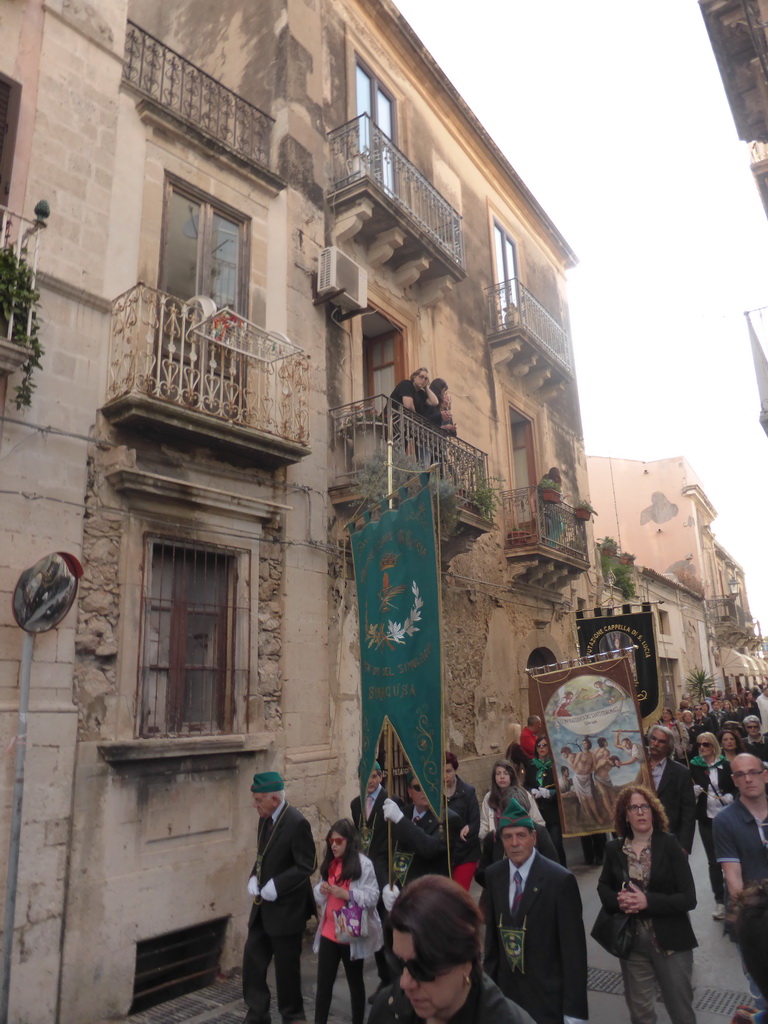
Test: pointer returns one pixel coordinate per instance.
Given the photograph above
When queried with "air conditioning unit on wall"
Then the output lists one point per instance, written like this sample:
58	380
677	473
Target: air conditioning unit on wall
337	271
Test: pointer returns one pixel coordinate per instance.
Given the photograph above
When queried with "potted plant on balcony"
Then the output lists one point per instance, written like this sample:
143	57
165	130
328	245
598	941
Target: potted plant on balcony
625	558
549	490
584	511
609	547
19	298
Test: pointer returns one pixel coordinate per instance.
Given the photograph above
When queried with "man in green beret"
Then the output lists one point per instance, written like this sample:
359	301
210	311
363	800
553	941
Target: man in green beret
282	903
535	947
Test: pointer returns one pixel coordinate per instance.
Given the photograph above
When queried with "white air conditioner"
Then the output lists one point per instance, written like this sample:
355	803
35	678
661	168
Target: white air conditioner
337	271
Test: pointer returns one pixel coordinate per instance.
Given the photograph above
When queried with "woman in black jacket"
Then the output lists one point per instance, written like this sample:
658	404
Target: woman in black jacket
714	790
540	783
433	934
646	874
462	800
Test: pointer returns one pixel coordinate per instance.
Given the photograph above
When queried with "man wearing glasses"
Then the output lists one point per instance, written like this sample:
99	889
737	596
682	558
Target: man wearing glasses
422	839
741	831
755	740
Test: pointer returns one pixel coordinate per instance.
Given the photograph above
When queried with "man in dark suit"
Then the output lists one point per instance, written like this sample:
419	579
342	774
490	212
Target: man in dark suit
282	903
372	827
535	948
673	785
421	838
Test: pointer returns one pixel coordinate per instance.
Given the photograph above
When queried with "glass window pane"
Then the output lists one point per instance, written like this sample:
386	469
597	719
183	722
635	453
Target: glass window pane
384	113
362	91
224	257
180	262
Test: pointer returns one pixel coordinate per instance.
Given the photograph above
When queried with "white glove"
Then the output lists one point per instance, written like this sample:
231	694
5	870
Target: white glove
544	794
697	790
253	886
269	892
389	893
392	813
727	798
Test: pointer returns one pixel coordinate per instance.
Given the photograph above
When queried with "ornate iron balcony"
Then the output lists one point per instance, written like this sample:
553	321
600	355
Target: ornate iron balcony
511	305
180	86
157	353
360	150
362	431
530	522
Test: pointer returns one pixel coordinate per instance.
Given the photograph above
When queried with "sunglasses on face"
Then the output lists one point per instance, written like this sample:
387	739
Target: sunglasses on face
415	787
704	744
416	970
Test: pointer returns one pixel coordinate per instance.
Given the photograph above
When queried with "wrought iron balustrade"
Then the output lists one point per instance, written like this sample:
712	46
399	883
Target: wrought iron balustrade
725	608
363	430
179	85
360	149
155	350
20	245
511	305
530	521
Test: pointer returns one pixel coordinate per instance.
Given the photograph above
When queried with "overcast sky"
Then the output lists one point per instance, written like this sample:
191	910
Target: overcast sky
615	117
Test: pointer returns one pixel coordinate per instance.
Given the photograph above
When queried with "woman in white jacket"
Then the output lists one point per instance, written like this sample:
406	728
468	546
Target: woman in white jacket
346	875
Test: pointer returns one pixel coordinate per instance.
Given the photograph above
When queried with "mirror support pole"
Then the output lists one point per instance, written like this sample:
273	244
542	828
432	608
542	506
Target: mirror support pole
14	842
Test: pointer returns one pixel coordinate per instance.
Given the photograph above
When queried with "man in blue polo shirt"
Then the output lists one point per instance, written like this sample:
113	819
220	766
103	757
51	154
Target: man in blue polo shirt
741	831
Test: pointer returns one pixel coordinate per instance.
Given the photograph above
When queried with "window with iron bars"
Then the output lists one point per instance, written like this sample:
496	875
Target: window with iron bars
191	620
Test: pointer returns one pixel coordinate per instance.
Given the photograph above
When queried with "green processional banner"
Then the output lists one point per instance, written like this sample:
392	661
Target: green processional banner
398	602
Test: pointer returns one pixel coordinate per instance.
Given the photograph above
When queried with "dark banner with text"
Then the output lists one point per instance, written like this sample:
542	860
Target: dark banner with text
610	634
398	602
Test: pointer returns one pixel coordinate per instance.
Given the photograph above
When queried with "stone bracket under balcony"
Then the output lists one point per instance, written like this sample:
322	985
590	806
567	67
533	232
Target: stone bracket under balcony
12	356
160	419
527	341
381	201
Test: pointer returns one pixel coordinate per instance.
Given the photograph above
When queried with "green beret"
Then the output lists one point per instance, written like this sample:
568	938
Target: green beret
267	782
515	814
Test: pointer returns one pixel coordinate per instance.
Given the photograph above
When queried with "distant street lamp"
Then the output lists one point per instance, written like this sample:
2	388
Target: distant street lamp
733	586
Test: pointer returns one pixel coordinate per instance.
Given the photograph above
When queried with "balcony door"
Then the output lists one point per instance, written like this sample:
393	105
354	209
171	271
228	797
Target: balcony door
504	275
383	365
378	126
523	462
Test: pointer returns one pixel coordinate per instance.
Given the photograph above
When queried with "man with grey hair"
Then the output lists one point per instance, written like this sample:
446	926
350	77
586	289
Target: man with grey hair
755	742
673	785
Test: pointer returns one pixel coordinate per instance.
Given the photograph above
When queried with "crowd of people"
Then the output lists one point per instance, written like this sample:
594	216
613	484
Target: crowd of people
395	878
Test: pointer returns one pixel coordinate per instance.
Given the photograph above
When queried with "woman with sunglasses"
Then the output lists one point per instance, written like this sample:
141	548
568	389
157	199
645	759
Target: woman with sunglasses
433	934
714	790
646	874
346	875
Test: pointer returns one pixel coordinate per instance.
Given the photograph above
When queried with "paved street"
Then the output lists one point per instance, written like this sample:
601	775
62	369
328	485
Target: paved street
718	979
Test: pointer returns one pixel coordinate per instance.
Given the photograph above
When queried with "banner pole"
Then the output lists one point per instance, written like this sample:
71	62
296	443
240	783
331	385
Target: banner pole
391	774
390	473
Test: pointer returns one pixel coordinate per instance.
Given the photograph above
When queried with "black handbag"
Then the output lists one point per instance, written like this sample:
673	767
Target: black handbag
614	932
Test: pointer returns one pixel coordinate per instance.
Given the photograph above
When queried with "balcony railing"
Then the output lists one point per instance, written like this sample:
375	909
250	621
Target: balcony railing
360	149
363	430
20	244
531	522
183	88
511	305
155	351
726	609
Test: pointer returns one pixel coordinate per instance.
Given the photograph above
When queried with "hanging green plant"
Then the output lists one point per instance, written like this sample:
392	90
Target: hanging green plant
486	497
20	300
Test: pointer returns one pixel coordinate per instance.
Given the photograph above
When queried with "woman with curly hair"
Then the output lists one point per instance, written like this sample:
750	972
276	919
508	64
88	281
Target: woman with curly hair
732	743
346	875
646	874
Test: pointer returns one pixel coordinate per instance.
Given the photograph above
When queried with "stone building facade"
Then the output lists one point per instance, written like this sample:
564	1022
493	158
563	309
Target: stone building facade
306	168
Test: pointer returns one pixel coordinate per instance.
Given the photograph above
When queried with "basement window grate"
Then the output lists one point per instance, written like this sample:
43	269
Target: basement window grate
176	963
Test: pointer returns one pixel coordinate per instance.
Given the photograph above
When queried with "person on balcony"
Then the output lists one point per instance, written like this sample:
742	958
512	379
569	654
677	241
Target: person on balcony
441	418
416	395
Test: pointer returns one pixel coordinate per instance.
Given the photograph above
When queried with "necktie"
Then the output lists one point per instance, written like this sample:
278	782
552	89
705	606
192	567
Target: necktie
368	807
518	892
266	830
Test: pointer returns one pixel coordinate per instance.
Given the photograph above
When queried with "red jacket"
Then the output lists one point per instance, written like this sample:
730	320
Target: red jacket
528	741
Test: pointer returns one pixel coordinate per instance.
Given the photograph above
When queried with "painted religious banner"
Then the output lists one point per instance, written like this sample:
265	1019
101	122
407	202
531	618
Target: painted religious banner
607	634
396	570
595	737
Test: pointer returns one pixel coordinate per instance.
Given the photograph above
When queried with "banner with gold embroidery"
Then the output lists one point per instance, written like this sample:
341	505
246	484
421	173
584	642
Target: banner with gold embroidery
396	569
